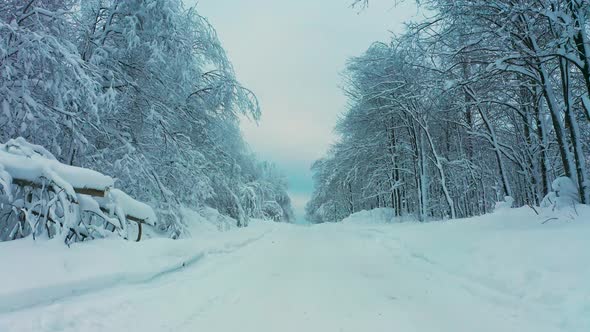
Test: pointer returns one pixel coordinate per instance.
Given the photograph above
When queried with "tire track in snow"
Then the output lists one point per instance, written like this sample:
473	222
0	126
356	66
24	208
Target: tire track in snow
473	286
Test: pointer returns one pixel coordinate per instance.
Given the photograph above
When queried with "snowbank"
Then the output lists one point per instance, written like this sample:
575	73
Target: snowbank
503	205
42	272
513	257
375	216
212	216
207	220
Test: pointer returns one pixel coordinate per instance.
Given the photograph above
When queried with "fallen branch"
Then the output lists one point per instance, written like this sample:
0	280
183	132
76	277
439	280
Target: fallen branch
83	191
533	208
547	220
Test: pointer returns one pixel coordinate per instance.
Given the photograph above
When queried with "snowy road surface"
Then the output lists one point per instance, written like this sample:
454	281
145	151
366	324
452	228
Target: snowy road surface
346	278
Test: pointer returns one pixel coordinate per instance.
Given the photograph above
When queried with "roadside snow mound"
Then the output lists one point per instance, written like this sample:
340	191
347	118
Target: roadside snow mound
534	265
375	216
220	221
54	272
506	204
207	220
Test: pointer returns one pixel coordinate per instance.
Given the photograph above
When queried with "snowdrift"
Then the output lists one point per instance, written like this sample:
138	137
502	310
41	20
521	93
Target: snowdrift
375	216
535	264
53	272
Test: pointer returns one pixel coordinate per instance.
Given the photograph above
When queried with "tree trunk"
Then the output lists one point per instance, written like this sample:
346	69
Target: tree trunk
572	124
558	126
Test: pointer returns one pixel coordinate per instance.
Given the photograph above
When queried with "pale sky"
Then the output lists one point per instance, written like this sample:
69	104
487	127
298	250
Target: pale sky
292	54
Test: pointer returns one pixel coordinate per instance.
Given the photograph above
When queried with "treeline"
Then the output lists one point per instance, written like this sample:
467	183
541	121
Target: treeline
140	90
485	99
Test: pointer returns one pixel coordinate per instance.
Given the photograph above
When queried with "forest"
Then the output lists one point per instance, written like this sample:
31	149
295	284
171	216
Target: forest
483	102
141	91
439	150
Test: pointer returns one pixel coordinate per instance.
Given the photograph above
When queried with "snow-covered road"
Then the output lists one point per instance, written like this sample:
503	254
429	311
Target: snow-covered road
335	278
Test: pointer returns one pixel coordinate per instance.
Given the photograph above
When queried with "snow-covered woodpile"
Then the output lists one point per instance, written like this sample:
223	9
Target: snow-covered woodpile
43	197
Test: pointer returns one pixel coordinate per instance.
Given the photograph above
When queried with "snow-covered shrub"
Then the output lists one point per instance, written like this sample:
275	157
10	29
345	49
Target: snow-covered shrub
272	211
506	204
564	194
249	199
222	222
267	198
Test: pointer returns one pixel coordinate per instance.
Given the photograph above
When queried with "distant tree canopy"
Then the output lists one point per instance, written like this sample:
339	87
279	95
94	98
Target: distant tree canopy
484	99
141	90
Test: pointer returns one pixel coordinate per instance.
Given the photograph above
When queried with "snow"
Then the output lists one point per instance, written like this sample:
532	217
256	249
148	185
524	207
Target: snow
25	161
564	194
116	199
506	204
375	216
5	182
566	191
52	272
90	204
21	160
205	217
507	271
586	101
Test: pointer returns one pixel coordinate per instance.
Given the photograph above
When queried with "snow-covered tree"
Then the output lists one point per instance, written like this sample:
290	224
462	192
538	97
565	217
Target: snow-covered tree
141	90
482	100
